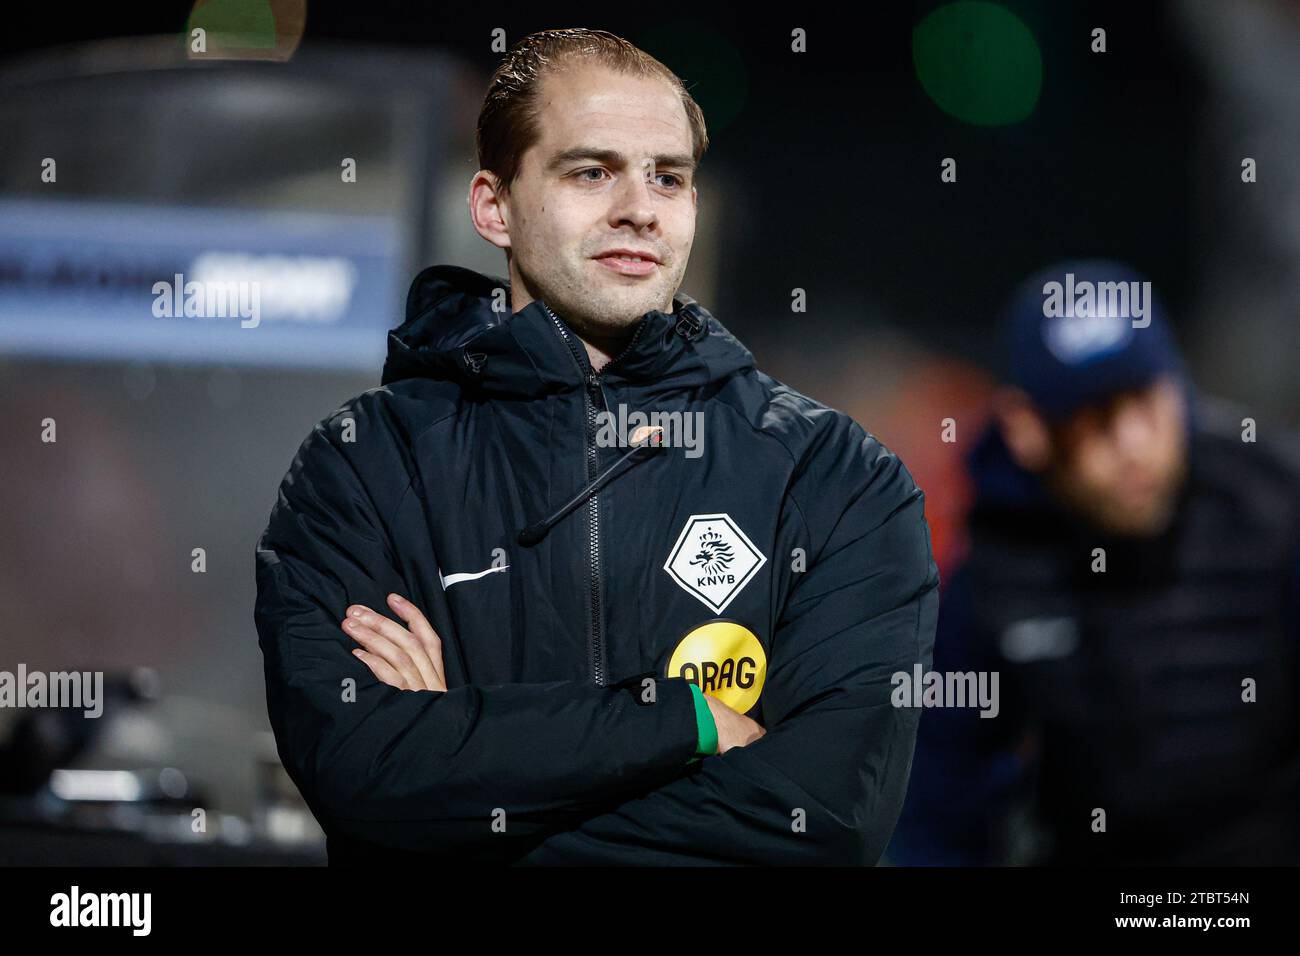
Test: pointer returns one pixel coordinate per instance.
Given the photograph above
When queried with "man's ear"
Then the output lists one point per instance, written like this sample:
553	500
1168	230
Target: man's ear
1023	430
488	207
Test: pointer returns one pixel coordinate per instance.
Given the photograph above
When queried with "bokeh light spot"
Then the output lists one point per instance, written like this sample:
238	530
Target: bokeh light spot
978	62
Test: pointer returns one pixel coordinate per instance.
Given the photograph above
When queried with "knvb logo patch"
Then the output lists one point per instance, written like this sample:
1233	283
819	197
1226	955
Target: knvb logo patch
713	560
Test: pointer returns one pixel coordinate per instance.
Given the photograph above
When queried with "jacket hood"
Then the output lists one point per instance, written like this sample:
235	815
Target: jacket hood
452	333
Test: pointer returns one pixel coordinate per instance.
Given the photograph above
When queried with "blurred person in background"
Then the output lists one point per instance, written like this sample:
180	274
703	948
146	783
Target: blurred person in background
1133	577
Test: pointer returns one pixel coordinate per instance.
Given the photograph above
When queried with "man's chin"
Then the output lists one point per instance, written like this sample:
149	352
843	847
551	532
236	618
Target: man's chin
602	327
1146	521
612	314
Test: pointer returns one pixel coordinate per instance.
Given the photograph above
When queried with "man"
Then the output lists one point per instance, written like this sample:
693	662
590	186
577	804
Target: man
1132	577
492	632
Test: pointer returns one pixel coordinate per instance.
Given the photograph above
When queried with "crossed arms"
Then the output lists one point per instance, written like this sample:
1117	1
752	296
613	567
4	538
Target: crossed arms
590	774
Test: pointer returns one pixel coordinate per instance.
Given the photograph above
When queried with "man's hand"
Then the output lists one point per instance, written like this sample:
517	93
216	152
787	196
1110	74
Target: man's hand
734	729
406	659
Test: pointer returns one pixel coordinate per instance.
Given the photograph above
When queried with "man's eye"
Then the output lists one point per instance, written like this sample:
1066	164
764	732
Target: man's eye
673	181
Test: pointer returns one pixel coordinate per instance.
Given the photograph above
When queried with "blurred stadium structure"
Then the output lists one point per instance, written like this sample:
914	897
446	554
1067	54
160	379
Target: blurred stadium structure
174	431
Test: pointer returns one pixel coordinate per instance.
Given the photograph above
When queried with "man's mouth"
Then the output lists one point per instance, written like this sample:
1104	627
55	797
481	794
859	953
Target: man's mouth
628	264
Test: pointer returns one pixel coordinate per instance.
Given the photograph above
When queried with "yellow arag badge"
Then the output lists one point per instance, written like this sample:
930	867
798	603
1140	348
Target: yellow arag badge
725	660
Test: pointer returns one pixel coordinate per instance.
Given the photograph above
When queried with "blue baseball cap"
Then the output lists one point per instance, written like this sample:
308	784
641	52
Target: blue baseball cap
1079	331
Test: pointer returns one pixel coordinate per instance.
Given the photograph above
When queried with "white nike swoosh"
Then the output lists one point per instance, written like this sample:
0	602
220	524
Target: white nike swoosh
450	579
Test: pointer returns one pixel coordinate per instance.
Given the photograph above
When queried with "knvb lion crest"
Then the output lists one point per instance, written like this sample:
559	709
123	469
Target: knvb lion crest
714	555
713	560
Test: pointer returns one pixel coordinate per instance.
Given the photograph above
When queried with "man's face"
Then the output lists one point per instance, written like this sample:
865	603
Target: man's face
611	170
1121	464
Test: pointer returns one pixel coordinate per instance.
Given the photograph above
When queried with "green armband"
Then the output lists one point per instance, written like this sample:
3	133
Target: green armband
705	726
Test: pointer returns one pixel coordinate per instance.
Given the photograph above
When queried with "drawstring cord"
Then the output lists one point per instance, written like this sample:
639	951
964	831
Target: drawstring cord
642	450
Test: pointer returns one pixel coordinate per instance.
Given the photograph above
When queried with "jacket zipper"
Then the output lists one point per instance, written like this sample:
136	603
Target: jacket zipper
590	395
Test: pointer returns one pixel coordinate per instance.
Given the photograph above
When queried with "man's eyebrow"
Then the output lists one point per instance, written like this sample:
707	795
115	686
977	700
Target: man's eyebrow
612	157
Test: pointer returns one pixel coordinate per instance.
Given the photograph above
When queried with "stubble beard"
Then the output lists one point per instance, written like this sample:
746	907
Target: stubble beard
602	315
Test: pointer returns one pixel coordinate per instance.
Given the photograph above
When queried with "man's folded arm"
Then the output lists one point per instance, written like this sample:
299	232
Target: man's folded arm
826	783
425	770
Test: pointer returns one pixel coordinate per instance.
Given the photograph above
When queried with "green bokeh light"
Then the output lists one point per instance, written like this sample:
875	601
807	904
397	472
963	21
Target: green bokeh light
978	62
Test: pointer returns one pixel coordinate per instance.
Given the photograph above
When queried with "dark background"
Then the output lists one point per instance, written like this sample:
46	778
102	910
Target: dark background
823	174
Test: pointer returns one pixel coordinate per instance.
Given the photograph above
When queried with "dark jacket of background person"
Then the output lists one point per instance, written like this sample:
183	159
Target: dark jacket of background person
1121	690
483	426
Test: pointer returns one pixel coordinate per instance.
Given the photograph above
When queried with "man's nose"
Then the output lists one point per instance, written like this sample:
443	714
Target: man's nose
1134	431
635	202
